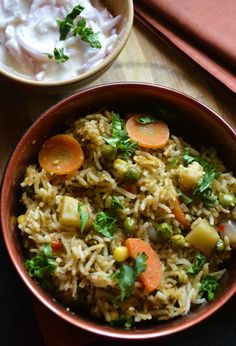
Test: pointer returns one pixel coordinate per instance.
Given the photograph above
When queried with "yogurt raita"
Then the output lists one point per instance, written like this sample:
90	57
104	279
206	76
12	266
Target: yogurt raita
29	33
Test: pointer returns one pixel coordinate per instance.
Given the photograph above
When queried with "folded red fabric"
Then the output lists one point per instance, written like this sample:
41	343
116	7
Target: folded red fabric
204	30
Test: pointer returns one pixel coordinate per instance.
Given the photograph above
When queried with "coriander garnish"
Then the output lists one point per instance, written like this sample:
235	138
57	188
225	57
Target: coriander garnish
86	34
58	54
120	139
67	26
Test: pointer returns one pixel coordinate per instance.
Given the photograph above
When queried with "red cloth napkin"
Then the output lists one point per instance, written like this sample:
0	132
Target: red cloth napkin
203	30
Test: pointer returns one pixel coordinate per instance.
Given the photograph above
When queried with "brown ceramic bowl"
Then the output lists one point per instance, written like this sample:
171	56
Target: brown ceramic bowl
194	121
123	8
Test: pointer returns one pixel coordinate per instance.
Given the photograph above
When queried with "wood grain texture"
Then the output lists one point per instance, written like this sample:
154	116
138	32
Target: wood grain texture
144	59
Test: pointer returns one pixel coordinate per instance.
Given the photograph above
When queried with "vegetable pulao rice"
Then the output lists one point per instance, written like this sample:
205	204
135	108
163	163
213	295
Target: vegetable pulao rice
124	224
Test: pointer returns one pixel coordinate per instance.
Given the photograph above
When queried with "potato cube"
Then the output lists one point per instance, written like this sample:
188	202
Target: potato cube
190	176
203	237
69	214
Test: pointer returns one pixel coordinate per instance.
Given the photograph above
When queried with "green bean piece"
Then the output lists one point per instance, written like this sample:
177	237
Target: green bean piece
130	224
227	200
164	232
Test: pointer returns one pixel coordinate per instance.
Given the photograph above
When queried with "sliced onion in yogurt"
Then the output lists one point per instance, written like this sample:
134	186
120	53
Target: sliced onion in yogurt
29	32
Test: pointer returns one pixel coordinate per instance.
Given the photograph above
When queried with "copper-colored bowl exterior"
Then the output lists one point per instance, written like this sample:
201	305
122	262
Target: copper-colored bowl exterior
195	121
123	8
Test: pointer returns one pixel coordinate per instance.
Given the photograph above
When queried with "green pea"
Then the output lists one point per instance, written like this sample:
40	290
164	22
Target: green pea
108	152
227	200
164	232
220	246
130	224
132	174
178	240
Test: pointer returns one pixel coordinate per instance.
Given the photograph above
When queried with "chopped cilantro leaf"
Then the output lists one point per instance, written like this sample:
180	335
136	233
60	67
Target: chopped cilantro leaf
161	113
198	264
116	203
209	197
127	148
126	279
140	264
120	139
127	276
75	12
84	216
41	268
113	142
184	198
209	286
189	158
206	181
87	34
66	25
105	224
204	186
147	120
65	28
58	54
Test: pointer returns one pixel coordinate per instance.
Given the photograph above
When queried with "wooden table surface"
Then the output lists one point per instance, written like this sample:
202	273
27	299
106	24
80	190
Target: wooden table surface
144	59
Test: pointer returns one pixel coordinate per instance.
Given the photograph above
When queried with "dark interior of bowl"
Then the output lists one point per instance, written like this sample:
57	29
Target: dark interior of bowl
186	117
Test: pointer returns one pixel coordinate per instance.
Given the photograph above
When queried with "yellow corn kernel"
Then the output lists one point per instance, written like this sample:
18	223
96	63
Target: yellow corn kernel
121	253
21	219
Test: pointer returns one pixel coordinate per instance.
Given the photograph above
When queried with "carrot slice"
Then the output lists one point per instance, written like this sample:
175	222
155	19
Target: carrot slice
153	135
131	188
60	179
179	214
61	154
151	277
57	245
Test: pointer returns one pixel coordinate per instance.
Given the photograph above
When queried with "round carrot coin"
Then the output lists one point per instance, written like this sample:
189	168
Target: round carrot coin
61	154
152	135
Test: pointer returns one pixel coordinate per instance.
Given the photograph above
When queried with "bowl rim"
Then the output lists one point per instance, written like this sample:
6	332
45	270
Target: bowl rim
107	61
37	291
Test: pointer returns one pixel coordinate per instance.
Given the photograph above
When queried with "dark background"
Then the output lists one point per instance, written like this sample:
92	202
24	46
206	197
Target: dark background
19	327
